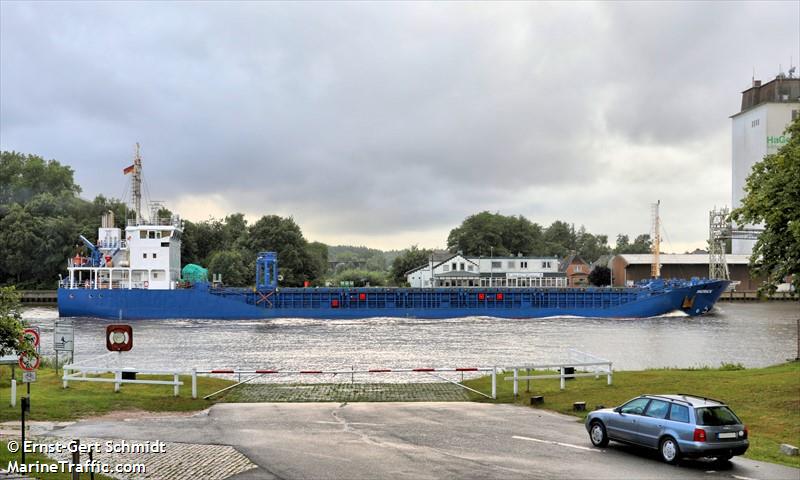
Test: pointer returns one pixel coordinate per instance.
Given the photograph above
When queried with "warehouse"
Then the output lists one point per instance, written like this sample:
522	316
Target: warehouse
629	268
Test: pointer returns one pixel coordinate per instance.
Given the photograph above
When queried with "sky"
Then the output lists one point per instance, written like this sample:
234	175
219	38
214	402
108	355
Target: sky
386	124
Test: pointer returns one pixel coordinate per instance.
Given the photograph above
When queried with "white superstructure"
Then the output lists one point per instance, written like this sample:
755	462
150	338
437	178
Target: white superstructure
146	255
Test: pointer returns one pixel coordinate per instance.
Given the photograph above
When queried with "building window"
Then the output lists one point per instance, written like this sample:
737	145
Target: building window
523	264
144	255
445	268
471	269
755	123
497	264
511	264
155	275
546	264
462	266
155	255
454	266
579	268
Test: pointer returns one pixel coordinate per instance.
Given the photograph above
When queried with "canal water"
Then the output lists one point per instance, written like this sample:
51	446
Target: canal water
753	334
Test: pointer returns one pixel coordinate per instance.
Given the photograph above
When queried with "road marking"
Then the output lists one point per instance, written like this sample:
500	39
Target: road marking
556	443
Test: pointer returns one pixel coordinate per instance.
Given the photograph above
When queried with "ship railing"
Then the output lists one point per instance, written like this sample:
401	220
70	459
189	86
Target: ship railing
174	221
579	364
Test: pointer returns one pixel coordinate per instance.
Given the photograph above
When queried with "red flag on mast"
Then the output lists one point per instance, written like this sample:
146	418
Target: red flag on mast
127	170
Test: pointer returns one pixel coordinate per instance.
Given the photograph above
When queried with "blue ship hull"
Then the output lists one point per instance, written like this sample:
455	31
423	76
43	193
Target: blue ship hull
203	302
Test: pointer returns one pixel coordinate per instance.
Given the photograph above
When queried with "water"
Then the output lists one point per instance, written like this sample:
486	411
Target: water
753	334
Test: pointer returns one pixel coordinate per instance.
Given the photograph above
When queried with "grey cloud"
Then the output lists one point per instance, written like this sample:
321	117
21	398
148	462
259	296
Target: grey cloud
371	118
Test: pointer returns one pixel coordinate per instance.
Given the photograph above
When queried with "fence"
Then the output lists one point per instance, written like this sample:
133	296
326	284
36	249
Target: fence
577	359
81	372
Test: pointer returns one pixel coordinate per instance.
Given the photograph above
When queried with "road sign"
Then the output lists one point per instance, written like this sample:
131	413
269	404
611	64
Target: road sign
31	335
28	363
119	338
64	336
28	377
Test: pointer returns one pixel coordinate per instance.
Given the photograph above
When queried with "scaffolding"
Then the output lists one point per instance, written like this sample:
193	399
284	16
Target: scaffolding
718	234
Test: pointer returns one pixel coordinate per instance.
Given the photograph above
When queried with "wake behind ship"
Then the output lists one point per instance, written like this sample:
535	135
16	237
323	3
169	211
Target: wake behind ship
136	274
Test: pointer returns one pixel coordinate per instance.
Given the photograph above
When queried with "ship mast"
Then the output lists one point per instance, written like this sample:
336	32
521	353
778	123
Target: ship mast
655	268
136	187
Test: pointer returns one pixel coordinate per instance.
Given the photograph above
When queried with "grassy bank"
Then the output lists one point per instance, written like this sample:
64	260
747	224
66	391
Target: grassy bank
767	399
82	399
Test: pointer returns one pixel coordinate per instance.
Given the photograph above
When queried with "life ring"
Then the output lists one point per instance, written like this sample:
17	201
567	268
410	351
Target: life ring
146	284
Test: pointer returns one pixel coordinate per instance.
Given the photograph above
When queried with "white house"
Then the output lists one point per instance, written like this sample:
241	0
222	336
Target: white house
461	271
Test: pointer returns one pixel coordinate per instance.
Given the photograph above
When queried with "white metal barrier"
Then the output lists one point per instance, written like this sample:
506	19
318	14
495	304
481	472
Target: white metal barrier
585	361
80	373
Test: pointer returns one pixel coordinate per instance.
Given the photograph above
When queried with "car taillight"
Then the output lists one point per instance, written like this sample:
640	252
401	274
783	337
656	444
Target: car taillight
746	432
699	435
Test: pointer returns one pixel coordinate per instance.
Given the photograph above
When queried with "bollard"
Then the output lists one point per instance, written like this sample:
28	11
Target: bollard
563	380
177	388
117	377
516	383
194	383
609	373
494	382
13	393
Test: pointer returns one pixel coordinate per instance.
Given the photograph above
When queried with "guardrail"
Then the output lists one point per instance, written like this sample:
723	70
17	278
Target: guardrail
80	374
600	366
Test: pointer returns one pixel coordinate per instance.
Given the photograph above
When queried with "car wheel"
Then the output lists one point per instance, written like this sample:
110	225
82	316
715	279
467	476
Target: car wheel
669	450
597	434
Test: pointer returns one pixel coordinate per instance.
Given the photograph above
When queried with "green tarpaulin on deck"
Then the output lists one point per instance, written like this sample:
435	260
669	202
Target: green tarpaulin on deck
194	273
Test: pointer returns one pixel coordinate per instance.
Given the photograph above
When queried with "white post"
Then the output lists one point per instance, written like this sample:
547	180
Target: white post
13	393
609	373
516	383
177	388
596	372
194	383
563	380
64	378
118	378
494	382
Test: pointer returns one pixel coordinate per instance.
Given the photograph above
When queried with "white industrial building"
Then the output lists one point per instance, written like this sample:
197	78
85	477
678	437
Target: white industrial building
758	130
461	271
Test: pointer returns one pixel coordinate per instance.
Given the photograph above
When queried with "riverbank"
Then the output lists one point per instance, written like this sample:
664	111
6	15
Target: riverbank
767	399
49	401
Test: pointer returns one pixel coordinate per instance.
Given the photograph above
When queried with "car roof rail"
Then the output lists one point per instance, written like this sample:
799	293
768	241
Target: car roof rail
668	398
703	397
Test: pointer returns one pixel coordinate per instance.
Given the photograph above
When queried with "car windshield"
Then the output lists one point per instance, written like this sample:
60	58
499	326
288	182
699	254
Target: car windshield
716	416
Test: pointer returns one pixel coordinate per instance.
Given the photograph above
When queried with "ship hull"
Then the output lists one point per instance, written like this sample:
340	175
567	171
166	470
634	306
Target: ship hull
331	303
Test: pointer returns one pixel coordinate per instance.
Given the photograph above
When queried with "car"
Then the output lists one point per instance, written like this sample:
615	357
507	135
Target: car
677	425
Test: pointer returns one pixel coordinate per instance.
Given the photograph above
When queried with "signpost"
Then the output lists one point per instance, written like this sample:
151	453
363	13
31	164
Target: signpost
28	377
29	364
64	338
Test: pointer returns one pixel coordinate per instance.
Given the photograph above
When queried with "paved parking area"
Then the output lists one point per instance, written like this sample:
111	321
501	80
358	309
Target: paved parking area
346	392
421	440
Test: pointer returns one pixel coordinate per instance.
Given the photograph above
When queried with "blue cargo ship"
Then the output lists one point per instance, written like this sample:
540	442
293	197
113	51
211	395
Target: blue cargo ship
136	274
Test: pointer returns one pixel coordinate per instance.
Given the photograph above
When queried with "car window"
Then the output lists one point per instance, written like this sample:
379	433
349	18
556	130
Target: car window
715	416
679	413
635	406
657	409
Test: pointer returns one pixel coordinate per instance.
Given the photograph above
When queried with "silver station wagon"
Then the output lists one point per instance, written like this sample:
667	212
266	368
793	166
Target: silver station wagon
678	426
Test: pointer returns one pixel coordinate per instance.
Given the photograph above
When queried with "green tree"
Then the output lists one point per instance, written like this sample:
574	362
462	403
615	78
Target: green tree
642	244
773	198
11	324
600	276
282	235
488	233
24	176
360	278
318	252
408	260
233	267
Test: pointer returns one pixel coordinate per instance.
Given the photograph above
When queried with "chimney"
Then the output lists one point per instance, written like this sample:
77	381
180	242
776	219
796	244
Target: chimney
756	83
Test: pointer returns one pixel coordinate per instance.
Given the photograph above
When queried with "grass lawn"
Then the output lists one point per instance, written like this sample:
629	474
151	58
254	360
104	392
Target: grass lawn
766	399
82	399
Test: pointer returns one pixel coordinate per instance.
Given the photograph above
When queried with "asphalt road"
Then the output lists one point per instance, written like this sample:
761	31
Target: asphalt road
414	441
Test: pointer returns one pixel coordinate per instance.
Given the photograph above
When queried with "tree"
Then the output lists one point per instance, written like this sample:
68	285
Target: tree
642	244
11	324
773	198
408	260
233	267
282	235
600	276
485	234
